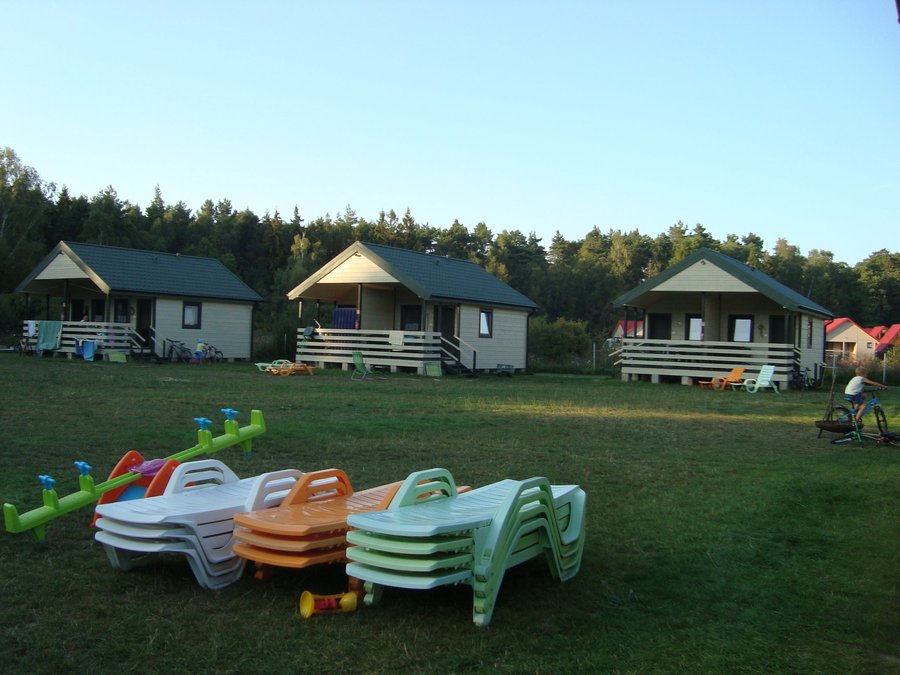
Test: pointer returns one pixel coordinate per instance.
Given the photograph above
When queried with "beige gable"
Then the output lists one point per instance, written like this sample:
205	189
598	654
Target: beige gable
62	267
704	276
357	269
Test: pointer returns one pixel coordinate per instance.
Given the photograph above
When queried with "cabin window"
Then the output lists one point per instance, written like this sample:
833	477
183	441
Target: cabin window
485	323
693	327
410	317
121	311
809	333
740	329
190	315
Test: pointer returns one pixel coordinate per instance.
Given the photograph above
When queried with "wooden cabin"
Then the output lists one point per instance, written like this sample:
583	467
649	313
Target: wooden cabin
405	309
710	313
138	301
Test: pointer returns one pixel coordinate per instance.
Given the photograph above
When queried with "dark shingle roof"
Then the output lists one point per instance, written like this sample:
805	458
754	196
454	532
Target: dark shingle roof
126	270
438	277
761	282
430	277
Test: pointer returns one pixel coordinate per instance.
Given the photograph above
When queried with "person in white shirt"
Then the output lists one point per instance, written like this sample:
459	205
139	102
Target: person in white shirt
853	392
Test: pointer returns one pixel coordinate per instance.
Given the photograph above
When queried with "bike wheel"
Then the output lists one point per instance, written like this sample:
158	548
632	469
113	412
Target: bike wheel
174	353
186	355
880	418
218	357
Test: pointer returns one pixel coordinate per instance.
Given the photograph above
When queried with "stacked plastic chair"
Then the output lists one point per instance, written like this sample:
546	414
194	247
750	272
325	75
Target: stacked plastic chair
193	518
471	537
310	525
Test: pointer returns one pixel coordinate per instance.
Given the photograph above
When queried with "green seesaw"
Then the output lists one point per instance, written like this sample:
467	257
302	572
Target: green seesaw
89	492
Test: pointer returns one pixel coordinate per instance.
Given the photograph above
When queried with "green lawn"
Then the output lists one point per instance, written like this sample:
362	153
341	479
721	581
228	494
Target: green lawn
722	534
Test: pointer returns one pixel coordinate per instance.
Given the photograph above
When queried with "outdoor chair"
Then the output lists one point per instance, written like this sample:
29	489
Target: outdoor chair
721	383
360	370
273	364
288	368
310	525
192	518
471	538
761	381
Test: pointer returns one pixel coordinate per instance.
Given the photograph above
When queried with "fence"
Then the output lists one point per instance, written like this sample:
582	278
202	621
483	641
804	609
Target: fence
392	349
690	359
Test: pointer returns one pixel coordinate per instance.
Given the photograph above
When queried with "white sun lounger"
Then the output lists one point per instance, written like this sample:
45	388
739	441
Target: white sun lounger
193	518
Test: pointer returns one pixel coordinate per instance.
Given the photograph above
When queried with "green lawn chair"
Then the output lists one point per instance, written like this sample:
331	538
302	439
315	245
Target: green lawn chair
360	370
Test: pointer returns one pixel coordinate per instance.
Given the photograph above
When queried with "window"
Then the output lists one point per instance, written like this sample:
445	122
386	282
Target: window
740	329
485	323
693	327
809	335
410	317
190	315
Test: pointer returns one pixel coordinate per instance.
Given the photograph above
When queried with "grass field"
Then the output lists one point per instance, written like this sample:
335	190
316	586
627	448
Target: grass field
722	534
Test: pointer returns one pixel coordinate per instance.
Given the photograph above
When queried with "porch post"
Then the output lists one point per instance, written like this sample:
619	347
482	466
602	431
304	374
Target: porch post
66	308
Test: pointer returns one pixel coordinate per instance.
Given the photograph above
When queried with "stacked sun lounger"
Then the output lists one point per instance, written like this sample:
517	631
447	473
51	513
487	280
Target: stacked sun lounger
310	525
471	538
192	518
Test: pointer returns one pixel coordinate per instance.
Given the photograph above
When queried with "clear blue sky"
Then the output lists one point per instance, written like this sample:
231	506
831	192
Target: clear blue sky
776	117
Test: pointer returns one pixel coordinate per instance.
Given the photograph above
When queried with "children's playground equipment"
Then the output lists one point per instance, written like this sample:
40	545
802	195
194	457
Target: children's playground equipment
133	477
327	604
470	538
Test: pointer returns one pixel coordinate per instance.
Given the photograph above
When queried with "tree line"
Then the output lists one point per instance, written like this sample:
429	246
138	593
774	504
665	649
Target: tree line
571	280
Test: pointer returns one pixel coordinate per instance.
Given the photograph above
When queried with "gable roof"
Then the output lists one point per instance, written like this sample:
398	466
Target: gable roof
759	281
622	329
430	277
127	270
888	339
834	324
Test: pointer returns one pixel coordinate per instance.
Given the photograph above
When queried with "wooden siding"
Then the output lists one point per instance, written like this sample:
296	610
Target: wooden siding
223	324
357	269
62	267
704	276
851	340
377	308
508	342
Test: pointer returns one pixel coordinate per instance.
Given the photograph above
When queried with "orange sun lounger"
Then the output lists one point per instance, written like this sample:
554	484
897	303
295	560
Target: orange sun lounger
721	383
310	525
289	368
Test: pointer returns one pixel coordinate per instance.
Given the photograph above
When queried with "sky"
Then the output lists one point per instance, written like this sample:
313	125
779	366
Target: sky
779	118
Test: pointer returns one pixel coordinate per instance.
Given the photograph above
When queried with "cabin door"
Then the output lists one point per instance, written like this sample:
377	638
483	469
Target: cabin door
445	322
659	326
144	318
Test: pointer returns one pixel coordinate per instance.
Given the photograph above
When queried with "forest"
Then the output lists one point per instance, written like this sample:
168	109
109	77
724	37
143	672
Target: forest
573	282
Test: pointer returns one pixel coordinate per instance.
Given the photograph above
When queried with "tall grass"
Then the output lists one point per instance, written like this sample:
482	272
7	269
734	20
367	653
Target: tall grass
723	534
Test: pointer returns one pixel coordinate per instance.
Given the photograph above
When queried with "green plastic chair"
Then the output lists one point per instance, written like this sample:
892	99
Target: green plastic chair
360	370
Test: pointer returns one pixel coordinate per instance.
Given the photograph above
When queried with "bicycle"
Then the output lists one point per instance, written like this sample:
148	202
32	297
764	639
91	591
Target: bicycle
212	354
847	416
801	380
179	352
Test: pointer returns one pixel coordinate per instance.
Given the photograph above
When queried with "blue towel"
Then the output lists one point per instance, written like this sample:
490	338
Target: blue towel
87	348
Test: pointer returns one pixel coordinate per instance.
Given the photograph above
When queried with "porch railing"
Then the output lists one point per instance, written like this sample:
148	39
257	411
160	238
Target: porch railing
107	336
690	359
381	348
